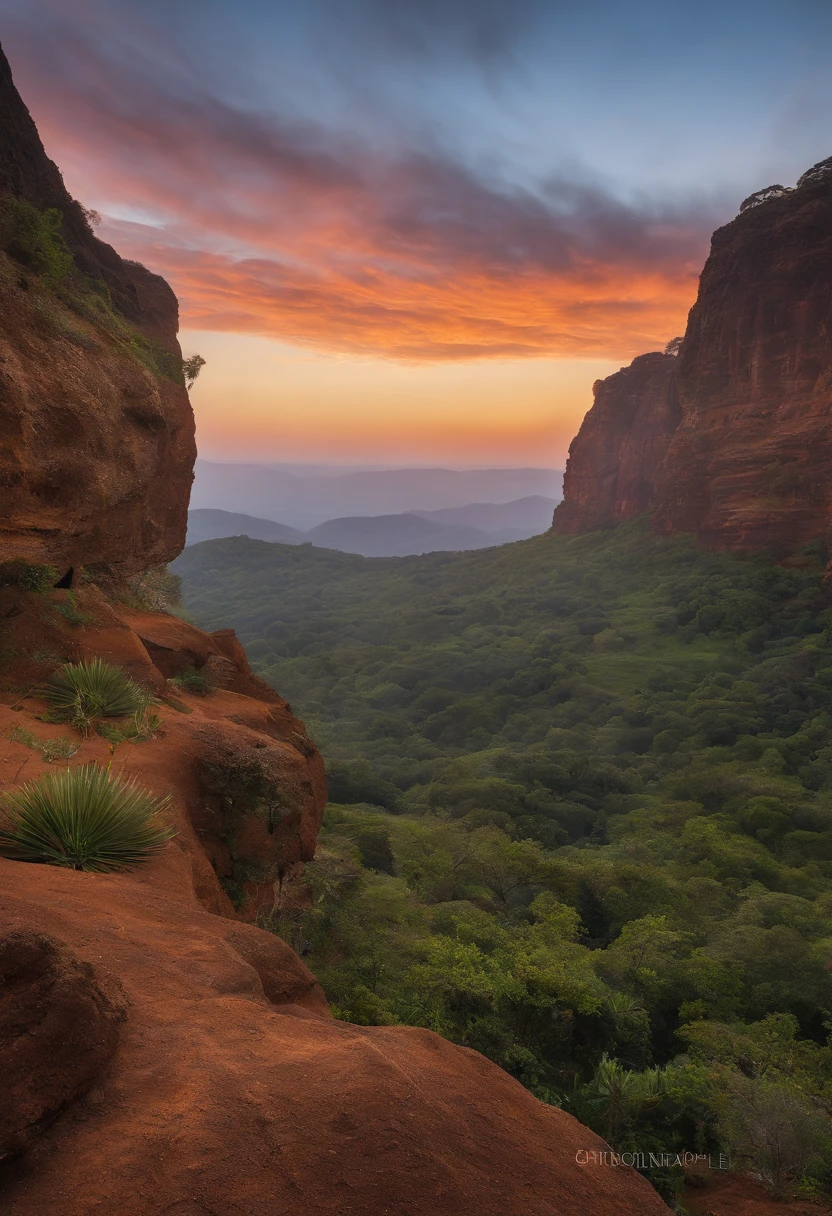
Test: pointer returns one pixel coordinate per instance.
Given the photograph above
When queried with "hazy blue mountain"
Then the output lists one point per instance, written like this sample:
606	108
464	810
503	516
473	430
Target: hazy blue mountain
525	516
302	498
206	524
397	536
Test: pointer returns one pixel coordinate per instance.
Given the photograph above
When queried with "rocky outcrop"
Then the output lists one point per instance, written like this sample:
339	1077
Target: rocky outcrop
59	1027
96	430
749	464
614	459
232	1091
248	780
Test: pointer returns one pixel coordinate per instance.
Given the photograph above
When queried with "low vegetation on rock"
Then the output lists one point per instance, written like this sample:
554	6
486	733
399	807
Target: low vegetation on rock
33	238
27	575
83	818
50	750
194	681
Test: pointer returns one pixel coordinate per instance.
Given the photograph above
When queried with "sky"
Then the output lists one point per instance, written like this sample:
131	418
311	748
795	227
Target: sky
417	231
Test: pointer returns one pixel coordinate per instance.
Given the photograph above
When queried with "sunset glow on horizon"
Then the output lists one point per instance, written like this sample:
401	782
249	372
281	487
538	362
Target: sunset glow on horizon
415	233
346	409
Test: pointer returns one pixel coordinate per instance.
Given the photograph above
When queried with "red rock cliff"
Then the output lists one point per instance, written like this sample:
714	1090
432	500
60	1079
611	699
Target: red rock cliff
96	430
749	464
613	461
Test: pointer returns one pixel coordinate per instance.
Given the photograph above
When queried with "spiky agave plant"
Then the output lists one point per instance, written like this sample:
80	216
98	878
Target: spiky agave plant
83	819
82	693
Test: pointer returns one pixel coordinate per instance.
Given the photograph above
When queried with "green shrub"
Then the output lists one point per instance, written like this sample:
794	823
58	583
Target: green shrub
82	693
376	851
70	611
61	748
34	239
776	1130
193	681
156	589
32	577
191	368
142	725
83	819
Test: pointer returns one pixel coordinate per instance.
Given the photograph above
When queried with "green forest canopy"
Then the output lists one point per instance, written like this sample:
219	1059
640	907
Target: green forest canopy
580	818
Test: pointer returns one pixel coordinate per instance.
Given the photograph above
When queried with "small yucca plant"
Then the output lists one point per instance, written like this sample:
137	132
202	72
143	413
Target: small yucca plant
82	693
83	819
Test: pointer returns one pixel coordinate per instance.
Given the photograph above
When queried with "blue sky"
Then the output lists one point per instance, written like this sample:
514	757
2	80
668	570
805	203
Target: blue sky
339	187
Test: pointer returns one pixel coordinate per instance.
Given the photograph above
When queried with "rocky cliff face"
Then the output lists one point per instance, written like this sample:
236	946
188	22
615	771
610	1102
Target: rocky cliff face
749	462
96	431
613	463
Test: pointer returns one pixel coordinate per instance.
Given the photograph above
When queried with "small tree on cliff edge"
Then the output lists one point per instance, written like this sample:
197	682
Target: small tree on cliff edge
674	346
191	368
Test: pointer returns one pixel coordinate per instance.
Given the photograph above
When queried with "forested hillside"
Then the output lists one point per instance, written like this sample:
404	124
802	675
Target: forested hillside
581	816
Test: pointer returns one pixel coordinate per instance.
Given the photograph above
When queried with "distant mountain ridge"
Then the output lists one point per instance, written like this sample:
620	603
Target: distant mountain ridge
531	515
208	524
302	499
398	535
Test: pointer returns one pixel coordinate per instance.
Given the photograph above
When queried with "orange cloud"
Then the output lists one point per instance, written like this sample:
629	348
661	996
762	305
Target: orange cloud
295	231
609	312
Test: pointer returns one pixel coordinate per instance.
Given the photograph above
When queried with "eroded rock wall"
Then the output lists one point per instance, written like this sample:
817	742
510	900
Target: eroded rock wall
614	459
740	451
750	465
96	430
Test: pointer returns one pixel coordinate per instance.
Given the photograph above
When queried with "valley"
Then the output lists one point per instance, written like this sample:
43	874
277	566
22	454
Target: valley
577	806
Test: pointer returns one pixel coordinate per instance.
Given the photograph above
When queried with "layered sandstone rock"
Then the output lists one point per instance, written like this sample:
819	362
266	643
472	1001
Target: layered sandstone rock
749	464
96	430
615	457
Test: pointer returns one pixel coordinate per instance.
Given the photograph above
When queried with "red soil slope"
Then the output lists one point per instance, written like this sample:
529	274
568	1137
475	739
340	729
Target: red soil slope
738	1195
